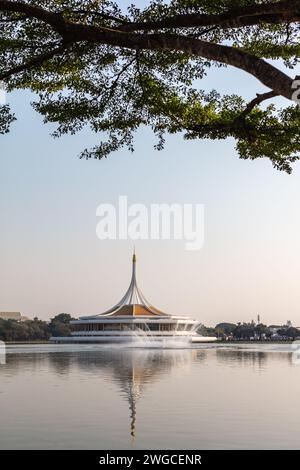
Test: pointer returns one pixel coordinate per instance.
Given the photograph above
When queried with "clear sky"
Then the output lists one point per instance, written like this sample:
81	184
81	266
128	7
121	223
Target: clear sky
52	261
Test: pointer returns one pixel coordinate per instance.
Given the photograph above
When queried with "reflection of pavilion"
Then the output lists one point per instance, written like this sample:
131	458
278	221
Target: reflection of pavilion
134	369
131	369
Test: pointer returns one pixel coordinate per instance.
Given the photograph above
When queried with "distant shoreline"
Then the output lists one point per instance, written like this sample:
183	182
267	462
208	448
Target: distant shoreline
28	342
218	341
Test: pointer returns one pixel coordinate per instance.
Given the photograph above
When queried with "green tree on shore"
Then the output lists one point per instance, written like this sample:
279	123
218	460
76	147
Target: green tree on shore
35	330
290	332
225	329
60	325
30	330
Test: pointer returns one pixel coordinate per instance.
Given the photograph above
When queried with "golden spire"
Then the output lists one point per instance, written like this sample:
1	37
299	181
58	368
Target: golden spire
134	255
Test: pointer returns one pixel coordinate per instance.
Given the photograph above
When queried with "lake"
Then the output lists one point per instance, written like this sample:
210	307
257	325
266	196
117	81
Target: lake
112	397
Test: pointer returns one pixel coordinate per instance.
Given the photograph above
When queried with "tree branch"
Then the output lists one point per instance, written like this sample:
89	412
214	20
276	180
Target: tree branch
277	12
53	19
239	123
100	15
117	77
266	73
15	20
38	60
255	102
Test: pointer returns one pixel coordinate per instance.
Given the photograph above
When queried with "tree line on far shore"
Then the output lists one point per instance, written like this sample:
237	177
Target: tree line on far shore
41	330
251	331
35	330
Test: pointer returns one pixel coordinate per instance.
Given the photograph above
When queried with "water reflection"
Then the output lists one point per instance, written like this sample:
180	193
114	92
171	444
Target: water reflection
239	357
131	369
256	358
135	370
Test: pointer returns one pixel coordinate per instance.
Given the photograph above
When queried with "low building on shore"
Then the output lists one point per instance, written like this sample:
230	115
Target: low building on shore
10	316
17	316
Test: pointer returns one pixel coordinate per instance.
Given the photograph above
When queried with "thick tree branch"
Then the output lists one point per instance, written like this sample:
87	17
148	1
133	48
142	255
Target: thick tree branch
53	19
277	12
266	73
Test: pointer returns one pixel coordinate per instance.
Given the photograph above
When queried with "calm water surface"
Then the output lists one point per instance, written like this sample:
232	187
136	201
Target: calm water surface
104	397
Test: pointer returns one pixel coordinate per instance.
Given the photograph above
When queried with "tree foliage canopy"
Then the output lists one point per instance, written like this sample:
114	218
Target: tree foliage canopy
35	330
114	69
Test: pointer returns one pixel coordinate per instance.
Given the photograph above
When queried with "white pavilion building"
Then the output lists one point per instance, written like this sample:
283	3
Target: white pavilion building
132	318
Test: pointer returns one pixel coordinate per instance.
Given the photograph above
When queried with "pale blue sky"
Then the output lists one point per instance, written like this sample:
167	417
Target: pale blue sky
51	260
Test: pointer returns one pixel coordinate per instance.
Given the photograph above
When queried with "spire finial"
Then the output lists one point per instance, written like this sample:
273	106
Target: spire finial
134	255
